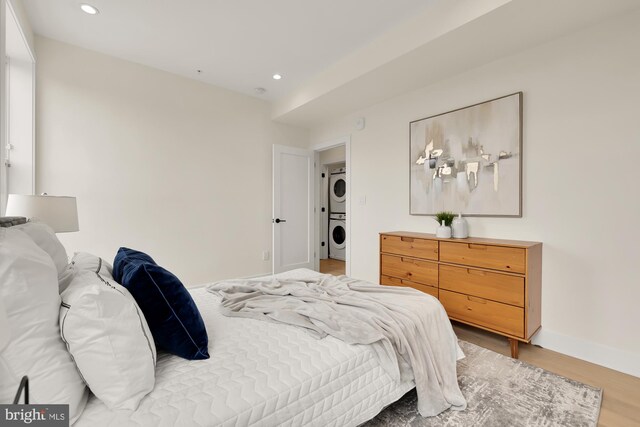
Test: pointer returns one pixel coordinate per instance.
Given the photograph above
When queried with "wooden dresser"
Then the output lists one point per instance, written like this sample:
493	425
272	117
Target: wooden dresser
488	283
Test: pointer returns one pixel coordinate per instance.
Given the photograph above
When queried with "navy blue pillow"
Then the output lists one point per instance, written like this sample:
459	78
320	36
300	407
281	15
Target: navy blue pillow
173	318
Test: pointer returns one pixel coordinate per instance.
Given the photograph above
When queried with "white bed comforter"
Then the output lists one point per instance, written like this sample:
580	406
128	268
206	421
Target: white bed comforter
409	330
260	374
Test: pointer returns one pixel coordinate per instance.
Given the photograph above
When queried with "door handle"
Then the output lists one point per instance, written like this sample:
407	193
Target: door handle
475	246
278	220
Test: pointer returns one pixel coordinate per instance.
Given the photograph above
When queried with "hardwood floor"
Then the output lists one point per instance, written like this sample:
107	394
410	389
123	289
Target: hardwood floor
621	397
332	266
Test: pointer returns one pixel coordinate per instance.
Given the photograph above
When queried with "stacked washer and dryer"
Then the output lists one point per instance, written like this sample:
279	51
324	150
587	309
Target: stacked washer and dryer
337	213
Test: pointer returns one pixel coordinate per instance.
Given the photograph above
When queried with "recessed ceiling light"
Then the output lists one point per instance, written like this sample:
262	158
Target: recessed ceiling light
277	77
87	8
260	90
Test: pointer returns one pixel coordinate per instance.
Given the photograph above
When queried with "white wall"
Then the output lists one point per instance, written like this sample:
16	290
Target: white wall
581	185
158	162
333	155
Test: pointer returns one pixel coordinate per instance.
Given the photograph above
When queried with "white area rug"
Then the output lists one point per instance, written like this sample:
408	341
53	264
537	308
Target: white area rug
502	391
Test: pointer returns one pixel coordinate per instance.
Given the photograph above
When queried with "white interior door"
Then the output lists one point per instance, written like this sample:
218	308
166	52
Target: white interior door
293	231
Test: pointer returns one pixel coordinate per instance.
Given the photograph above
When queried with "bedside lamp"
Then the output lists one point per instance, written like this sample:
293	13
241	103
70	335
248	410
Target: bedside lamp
58	212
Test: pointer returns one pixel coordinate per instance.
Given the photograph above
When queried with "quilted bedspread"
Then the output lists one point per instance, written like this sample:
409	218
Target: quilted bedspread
260	374
408	329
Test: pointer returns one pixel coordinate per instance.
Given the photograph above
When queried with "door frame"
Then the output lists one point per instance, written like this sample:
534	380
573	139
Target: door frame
323	251
346	141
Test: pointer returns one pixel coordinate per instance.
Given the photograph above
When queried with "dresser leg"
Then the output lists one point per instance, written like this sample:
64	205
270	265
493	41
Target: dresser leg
514	348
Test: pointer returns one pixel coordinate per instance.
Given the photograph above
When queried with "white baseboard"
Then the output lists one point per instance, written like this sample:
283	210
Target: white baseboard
610	357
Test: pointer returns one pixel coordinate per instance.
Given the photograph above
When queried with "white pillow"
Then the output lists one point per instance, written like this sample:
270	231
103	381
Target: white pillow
46	239
109	339
83	261
29	291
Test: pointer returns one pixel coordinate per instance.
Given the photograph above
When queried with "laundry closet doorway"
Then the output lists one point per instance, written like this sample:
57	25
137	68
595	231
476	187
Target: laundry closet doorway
333	206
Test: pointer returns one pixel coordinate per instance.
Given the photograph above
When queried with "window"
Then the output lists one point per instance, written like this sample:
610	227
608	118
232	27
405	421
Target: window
17	165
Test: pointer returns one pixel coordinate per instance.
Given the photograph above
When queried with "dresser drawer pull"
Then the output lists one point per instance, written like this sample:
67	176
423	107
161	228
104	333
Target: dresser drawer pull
476	299
477	247
407	239
476	272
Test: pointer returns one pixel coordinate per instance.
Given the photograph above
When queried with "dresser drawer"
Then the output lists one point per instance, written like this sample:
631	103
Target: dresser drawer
393	281
415	270
480	255
409	246
493	286
493	315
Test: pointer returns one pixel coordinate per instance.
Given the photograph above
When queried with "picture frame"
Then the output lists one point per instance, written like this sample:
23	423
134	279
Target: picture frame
468	160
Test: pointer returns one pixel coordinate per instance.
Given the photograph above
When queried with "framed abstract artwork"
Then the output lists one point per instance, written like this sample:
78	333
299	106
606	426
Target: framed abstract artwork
468	160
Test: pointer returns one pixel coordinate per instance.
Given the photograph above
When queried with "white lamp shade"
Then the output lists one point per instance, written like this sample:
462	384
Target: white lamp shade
4	327
58	212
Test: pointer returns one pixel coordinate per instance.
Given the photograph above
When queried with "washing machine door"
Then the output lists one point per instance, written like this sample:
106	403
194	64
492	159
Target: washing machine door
338	234
338	188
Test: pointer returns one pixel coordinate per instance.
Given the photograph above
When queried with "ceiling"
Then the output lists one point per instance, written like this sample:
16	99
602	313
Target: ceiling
237	44
445	40
336	56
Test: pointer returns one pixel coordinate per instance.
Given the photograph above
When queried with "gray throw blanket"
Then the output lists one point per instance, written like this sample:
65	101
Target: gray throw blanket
408	330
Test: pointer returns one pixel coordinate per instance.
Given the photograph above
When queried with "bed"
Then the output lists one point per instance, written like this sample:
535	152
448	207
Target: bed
259	373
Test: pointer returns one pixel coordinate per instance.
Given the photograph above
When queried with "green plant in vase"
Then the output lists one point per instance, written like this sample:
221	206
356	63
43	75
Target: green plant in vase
444	224
445	216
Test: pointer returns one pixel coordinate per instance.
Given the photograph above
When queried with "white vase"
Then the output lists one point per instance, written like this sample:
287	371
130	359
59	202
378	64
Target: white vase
443	231
460	227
